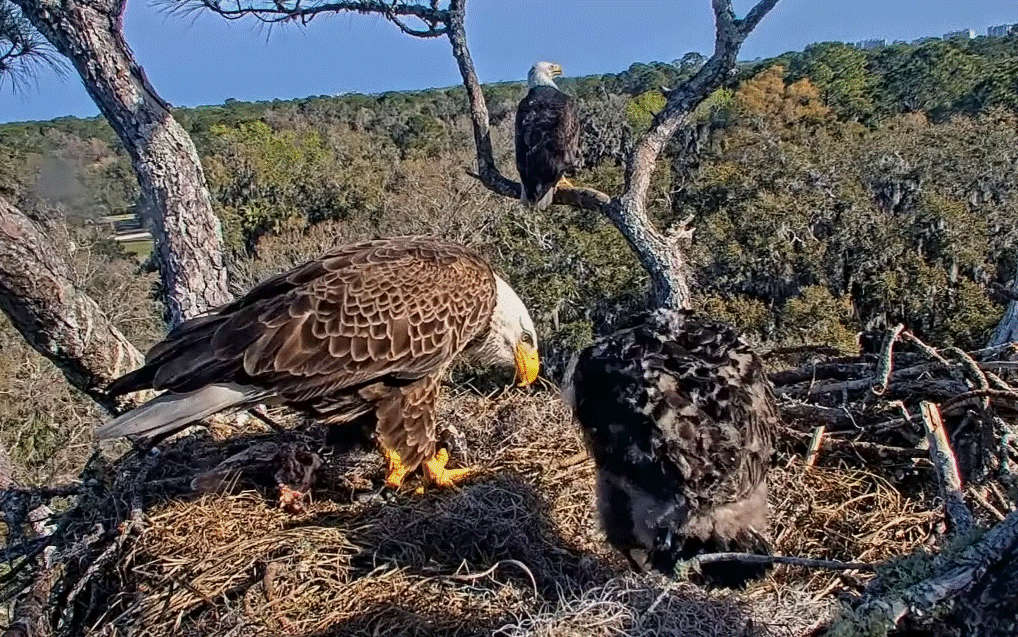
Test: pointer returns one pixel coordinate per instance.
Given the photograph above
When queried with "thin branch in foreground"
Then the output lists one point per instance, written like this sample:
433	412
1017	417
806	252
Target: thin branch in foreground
752	558
958	514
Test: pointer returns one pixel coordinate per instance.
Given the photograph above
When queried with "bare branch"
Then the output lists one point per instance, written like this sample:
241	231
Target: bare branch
659	253
278	11
924	348
730	34
751	558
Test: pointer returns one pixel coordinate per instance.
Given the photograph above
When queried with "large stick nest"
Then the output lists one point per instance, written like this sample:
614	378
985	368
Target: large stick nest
133	548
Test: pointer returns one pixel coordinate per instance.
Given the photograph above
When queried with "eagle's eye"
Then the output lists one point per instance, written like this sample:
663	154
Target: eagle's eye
527	339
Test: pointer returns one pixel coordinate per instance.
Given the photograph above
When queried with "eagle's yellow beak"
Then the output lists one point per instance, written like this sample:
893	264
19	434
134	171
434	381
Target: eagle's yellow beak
527	364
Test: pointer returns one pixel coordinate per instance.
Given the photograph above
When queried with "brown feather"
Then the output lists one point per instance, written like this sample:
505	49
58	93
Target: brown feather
389	313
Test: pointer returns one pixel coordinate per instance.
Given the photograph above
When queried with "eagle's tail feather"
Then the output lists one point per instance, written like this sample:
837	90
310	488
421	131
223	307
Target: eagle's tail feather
172	412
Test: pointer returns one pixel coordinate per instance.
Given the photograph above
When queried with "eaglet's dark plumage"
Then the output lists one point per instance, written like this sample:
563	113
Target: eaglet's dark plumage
547	136
367	328
680	418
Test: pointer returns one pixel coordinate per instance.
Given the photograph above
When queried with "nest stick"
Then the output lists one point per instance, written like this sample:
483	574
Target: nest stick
29	611
885	363
972	367
1004	395
924	348
814	445
958	514
257	413
752	558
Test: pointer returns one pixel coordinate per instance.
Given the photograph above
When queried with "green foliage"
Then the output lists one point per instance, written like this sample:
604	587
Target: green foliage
839	71
264	180
933	77
716	107
816	316
997	88
835	227
641	110
744	313
420	134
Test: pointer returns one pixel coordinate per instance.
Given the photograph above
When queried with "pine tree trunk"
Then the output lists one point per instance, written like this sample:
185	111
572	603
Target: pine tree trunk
188	237
59	321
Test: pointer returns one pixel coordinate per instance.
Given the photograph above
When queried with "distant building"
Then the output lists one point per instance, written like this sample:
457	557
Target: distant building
1000	31
960	34
869	45
900	42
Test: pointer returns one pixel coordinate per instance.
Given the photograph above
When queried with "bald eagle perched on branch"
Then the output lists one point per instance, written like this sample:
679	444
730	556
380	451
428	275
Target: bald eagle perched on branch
547	137
680	419
368	328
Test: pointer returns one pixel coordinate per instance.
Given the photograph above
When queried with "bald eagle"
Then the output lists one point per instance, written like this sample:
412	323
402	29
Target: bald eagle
367	328
547	136
679	418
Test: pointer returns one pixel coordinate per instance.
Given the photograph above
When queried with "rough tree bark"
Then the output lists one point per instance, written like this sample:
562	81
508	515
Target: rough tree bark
659	252
188	238
59	321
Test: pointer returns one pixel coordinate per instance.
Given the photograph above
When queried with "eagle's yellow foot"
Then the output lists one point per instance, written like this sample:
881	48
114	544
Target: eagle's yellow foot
438	475
564	183
397	470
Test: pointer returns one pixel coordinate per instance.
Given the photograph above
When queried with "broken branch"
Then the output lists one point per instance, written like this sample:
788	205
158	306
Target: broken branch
885	363
958	514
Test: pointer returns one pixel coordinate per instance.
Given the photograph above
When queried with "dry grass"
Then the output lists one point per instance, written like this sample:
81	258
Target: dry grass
516	551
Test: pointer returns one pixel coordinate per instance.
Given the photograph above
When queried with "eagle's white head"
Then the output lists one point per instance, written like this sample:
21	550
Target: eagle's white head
543	74
512	339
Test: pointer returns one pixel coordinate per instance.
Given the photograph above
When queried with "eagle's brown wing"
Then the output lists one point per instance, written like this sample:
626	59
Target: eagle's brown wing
391	311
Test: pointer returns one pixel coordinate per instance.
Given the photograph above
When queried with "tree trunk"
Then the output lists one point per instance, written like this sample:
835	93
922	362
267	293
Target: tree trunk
1007	329
59	321
188	238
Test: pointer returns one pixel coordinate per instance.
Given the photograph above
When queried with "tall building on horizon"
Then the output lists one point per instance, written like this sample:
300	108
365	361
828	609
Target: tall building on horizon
960	34
1000	30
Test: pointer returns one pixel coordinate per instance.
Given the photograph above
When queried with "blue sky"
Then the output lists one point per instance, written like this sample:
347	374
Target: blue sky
207	60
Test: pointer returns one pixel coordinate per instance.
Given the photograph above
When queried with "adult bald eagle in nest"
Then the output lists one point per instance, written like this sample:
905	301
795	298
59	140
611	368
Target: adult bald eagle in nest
367	328
680	419
547	137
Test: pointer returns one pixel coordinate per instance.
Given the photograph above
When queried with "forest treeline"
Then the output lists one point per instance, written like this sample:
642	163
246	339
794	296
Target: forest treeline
831	190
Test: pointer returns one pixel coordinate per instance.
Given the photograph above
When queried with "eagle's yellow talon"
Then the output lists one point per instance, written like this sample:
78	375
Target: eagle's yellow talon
397	470
438	475
564	183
